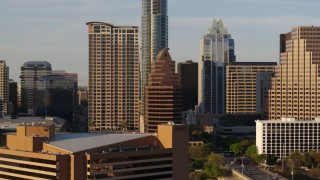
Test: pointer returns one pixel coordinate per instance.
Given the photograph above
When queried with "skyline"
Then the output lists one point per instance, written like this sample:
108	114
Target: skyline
61	33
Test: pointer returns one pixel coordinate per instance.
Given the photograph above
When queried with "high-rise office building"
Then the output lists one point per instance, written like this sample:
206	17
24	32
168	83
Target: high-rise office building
295	87
188	73
31	72
241	85
154	37
4	86
13	97
57	96
113	77
163	93
216	50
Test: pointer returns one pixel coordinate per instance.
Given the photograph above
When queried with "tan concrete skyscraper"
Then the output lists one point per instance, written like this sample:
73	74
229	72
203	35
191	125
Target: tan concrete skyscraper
295	88
163	93
113	77
241	85
4	86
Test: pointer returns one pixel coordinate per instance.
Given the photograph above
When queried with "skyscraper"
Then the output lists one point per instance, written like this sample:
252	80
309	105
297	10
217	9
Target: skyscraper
57	96
31	72
113	77
241	85
4	86
13	97
163	93
188	74
154	37
295	87
216	50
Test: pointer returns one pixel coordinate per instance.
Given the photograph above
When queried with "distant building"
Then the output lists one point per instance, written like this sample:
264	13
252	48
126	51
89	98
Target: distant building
4	87
113	77
36	152
263	83
239	126
154	37
31	72
188	73
57	96
281	137
241	85
163	93
216	51
13	97
82	95
295	86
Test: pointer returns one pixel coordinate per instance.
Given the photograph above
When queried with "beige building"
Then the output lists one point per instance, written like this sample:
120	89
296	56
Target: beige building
113	77
36	152
241	85
4	86
295	88
163	102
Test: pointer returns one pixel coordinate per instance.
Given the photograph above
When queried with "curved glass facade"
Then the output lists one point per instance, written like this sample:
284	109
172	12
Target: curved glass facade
154	33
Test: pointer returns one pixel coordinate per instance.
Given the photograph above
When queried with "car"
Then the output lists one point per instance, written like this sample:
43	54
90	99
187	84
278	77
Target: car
250	173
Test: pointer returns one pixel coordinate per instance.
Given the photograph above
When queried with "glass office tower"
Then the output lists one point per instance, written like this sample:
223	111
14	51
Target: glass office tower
216	50
154	33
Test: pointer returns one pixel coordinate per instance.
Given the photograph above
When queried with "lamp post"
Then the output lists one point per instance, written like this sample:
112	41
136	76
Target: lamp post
242	165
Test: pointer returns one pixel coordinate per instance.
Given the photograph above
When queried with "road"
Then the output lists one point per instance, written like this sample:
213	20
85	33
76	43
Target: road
252	171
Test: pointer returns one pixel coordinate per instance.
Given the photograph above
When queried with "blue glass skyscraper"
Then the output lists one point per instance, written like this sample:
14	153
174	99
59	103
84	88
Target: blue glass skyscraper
216	50
154	34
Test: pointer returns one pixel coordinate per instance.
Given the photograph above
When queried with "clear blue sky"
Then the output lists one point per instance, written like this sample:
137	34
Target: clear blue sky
55	30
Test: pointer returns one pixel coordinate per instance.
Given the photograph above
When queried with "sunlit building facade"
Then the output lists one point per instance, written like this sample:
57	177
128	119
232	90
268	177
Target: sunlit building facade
36	152
295	87
241	86
113	77
4	86
163	102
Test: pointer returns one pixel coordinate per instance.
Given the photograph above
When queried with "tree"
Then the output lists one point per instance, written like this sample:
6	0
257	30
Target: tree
236	148
252	152
213	166
312	159
295	159
270	159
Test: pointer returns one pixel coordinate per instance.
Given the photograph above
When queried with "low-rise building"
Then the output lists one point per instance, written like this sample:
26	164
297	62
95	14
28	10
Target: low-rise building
281	137
36	152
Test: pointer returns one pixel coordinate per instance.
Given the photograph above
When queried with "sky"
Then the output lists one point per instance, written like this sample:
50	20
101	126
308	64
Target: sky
55	30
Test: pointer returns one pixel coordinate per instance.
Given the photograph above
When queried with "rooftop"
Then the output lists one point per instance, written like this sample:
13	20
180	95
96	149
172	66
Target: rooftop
77	142
254	63
10	124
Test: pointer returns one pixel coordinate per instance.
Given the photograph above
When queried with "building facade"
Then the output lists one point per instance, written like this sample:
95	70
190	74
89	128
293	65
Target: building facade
13	98
113	77
241	85
295	86
31	72
281	137
188	73
57	96
4	86
36	152
154	37
163	93
216	51
263	83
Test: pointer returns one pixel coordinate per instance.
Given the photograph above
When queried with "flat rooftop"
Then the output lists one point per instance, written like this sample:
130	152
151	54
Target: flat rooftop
7	123
77	142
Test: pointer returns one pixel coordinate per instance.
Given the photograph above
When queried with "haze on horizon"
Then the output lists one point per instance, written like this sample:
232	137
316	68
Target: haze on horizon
55	31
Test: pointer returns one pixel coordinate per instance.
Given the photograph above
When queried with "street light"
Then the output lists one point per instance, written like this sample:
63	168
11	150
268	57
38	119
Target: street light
242	165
